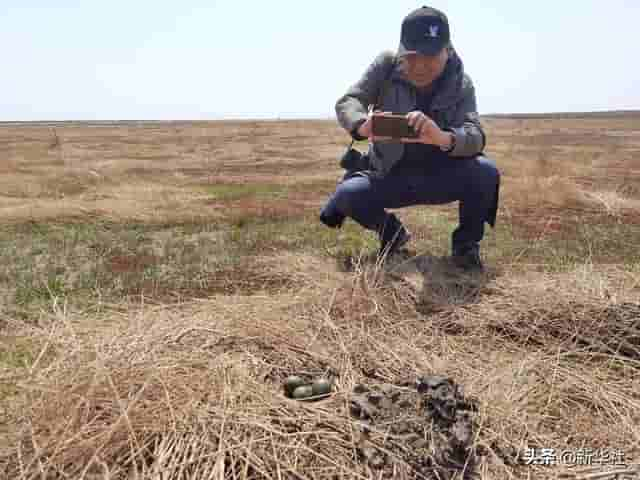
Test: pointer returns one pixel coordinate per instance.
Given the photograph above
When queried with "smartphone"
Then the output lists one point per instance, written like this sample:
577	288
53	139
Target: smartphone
391	125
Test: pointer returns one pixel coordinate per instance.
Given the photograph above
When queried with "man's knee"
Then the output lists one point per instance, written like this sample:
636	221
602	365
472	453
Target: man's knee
351	193
486	171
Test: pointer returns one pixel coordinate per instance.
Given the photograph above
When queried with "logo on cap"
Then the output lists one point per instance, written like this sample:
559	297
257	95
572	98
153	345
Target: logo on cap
433	31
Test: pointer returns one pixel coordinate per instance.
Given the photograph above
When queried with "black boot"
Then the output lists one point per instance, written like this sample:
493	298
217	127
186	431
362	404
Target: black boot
467	257
332	219
393	235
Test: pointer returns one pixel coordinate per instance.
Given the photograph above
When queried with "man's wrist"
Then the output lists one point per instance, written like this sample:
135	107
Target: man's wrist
355	132
448	142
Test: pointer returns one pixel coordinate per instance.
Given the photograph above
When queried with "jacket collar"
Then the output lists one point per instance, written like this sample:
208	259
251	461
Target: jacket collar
449	88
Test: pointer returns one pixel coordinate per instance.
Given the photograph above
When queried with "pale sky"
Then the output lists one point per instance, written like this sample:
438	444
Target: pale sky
199	60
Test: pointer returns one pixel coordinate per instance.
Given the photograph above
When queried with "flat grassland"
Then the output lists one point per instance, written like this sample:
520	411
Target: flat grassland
158	281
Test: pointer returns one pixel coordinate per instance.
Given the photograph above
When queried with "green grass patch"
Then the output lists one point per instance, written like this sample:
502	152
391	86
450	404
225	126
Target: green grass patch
605	241
81	262
594	243
17	352
237	191
226	192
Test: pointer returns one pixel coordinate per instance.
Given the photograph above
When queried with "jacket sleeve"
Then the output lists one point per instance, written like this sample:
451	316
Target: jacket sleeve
351	108
470	138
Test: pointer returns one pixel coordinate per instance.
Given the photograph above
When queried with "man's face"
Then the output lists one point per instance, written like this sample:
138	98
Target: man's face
422	70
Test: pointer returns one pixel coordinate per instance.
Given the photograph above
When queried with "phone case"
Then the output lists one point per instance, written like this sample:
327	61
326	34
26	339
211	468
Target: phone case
392	125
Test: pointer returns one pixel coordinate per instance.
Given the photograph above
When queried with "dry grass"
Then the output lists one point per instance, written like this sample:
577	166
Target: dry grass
158	282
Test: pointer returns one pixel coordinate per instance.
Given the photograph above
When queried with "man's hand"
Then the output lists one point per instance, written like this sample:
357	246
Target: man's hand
366	129
428	131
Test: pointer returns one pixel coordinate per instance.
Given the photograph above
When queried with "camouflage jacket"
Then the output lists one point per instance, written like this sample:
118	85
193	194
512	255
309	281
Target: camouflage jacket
453	107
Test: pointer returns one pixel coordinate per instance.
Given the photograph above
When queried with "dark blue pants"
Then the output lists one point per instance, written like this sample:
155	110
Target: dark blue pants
473	181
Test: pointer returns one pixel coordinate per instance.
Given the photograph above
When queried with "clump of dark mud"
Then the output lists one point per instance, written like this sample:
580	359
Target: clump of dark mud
424	430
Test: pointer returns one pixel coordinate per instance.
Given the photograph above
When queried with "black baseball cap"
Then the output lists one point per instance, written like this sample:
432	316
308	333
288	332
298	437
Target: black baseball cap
425	31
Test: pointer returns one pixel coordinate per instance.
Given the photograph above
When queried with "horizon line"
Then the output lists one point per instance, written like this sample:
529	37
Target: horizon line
319	117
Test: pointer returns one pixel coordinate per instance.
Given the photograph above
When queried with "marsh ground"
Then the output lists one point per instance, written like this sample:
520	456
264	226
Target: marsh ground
159	280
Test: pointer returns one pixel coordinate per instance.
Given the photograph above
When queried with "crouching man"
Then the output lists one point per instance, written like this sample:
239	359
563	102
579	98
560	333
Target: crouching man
425	80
